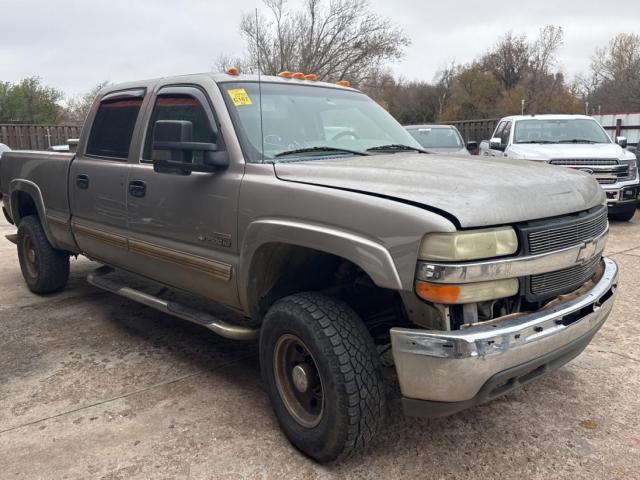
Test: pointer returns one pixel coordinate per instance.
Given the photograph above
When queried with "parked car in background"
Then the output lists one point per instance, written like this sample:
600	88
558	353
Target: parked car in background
573	141
70	146
305	207
441	139
3	148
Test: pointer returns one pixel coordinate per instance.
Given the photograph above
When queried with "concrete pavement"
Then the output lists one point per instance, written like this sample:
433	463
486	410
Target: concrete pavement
95	386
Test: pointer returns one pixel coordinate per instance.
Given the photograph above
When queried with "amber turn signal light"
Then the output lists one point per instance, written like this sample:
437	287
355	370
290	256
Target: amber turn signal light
285	74
438	293
233	71
344	83
311	76
298	76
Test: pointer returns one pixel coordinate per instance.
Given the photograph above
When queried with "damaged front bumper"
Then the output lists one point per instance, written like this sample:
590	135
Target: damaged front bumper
442	372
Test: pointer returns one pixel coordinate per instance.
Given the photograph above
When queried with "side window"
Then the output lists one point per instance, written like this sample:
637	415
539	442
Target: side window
179	106
505	134
113	125
499	130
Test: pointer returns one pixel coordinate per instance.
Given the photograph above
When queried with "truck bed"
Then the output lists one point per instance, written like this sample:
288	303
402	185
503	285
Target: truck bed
47	171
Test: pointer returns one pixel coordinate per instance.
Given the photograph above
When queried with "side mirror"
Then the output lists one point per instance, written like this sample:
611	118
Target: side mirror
472	146
622	141
183	155
495	143
73	144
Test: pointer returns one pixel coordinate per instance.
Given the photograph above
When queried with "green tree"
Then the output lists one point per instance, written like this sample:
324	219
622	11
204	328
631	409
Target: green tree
29	101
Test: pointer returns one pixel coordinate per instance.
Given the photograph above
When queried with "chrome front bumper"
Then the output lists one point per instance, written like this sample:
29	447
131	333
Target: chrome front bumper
622	192
454	366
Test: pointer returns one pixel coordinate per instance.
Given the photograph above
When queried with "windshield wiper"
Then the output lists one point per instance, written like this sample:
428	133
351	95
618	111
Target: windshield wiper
577	140
395	147
536	141
318	149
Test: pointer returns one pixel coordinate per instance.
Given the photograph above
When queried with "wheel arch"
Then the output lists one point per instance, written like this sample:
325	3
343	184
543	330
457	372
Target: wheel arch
270	245
25	199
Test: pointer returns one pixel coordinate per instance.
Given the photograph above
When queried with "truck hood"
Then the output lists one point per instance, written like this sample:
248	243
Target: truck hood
476	191
546	152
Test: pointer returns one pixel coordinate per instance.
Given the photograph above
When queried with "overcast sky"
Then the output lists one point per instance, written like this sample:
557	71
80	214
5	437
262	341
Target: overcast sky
75	44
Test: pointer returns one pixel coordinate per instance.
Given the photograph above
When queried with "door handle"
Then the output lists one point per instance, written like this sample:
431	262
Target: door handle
137	188
82	181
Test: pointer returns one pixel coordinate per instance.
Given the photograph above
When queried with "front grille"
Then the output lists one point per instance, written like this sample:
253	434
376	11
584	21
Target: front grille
563	281
584	162
558	235
607	181
606	170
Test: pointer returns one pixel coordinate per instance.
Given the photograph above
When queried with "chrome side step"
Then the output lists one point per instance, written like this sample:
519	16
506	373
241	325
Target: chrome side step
224	329
12	237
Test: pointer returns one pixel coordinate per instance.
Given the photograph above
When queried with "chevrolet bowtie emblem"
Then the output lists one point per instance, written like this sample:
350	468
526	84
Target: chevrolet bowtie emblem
587	251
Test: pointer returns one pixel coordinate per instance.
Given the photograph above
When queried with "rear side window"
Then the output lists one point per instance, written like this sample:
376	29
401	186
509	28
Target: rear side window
180	106
113	125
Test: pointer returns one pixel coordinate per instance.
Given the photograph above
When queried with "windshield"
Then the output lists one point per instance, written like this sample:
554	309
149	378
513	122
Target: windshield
437	137
579	130
302	120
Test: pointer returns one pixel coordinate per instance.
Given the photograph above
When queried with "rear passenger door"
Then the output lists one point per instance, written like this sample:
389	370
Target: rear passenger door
98	175
183	228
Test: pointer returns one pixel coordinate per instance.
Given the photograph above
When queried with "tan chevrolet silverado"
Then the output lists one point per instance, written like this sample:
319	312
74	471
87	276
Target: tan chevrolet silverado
347	250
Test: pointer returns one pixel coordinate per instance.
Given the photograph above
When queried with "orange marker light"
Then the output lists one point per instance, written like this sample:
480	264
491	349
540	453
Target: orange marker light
298	76
438	293
233	71
311	76
344	83
285	74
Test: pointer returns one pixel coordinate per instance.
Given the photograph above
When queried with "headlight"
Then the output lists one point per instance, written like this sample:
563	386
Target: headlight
467	292
633	169
469	245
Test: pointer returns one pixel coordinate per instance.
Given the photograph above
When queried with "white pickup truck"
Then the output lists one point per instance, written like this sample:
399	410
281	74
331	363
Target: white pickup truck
574	141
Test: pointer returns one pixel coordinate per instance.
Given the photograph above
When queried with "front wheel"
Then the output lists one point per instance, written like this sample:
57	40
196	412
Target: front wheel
323	375
44	268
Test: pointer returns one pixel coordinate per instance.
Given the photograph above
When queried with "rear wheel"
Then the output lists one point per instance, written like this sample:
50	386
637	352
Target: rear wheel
625	214
44	268
323	375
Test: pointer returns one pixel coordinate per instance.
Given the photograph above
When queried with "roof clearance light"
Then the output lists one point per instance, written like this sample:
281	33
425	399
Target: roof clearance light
233	71
298	76
311	76
344	83
285	74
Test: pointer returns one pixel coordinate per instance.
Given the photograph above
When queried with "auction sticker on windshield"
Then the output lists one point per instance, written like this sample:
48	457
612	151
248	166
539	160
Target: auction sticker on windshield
239	97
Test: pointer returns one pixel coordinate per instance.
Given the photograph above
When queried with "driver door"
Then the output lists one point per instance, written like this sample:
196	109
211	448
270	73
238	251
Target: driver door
183	227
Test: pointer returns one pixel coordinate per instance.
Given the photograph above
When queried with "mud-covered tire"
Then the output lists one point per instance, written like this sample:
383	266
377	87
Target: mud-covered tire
44	268
624	215
348	368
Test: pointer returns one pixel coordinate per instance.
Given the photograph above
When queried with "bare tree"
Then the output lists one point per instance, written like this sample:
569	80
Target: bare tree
443	82
542	84
335	39
78	107
509	60
615	74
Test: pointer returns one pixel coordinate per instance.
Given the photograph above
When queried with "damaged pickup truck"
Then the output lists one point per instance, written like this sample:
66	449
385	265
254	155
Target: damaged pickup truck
346	249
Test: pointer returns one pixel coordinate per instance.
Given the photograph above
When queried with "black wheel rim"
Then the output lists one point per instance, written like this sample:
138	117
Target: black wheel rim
298	381
30	256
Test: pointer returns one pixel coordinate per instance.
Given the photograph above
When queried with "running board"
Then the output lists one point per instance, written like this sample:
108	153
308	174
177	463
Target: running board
224	329
12	237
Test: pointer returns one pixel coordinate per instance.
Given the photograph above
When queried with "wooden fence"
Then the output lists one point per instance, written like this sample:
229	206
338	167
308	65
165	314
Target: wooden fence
476	130
37	137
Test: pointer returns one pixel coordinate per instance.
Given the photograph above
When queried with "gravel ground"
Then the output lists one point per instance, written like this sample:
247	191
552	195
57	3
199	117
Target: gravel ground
95	386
